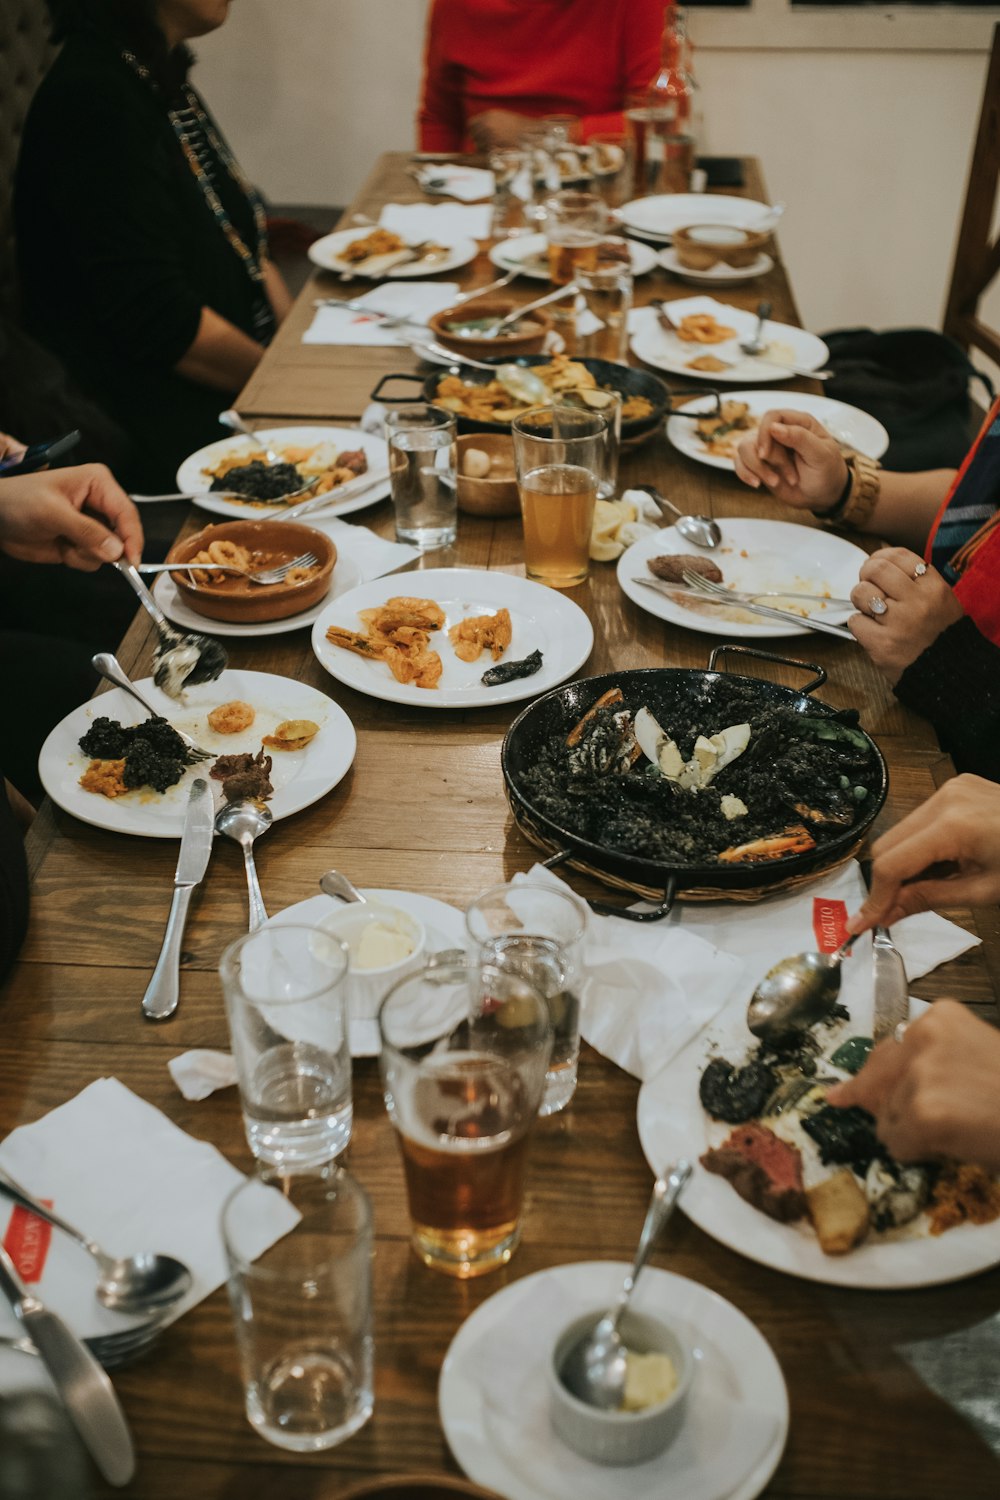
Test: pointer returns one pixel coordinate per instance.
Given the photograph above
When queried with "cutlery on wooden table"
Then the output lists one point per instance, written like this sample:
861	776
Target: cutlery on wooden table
262	575
86	1391
163	990
244	822
181	658
701	530
332	498
112	670
735	596
805	622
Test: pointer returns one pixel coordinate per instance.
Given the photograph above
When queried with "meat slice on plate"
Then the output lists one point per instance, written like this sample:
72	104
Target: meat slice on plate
672	567
763	1169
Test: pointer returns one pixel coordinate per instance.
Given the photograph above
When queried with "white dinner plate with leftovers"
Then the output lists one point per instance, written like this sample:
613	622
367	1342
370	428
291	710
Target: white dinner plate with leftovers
714	440
299	777
312	450
673	1120
328	254
754	557
528	253
494	1403
427	638
708	346
720	274
660	214
346	576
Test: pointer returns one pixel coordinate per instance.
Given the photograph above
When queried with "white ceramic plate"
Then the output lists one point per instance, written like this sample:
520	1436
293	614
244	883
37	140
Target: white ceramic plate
543	619
444	924
346	576
779	555
657	346
192	478
848	424
508	254
718	275
659	215
718	1455
299	777
326	253
671	1121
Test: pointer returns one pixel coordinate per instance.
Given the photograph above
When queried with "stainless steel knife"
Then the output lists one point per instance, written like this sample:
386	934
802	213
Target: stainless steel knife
85	1389
805	622
163	992
892	998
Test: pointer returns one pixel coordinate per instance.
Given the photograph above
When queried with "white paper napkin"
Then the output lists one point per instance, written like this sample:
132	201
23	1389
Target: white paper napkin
201	1071
416	300
444	222
647	990
374	555
468	184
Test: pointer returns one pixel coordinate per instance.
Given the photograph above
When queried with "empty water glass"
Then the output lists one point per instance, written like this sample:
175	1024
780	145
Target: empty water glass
302	1308
286	999
513	190
602	329
422	468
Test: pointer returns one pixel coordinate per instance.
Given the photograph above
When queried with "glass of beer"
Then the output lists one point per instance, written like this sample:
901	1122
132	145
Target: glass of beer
464	1052
560	454
575	224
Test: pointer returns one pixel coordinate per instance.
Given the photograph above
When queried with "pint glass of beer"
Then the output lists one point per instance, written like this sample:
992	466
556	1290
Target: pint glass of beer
561	456
465	1049
575	224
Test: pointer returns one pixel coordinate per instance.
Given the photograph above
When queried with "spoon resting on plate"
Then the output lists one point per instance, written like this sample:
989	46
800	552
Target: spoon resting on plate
796	993
701	530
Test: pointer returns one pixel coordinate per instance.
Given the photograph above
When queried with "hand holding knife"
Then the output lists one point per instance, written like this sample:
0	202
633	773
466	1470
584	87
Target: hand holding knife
163	991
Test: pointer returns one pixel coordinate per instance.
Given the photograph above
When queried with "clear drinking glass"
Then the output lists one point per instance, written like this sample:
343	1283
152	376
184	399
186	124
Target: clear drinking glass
464	1053
611	166
513	190
575	224
560	454
422	466
607	291
302	1309
543	173
528	928
286	999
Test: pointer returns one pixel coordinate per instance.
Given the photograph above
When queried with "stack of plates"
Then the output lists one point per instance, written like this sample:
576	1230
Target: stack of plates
656	218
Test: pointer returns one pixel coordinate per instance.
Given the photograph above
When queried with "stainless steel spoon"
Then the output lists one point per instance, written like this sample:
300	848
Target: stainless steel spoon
235	423
701	530
332	883
180	660
520	380
243	822
112	670
127	1284
594	1368
796	993
757	343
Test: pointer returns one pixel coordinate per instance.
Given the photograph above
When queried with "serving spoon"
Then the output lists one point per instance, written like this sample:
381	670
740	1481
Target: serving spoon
594	1368
701	530
332	883
520	381
180	660
243	822
796	993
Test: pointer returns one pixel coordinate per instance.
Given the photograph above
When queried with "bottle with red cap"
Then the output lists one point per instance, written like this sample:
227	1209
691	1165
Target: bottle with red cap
658	117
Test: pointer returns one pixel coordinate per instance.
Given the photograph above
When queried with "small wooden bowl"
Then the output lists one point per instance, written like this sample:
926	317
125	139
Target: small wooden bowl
702	246
418	1487
496	493
530	342
244	603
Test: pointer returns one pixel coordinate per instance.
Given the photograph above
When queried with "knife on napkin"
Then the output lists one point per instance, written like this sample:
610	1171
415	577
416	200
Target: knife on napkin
892	998
85	1389
163	992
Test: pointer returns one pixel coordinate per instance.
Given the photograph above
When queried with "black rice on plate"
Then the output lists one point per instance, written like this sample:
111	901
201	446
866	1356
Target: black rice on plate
153	751
260	481
799	780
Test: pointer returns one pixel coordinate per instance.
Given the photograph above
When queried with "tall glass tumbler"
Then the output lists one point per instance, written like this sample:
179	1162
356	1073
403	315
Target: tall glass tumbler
422	470
302	1309
464	1054
611	166
286	999
560	455
513	190
531	929
602	331
575	224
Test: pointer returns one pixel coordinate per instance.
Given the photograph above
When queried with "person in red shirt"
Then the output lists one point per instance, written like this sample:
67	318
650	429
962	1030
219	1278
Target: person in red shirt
493	66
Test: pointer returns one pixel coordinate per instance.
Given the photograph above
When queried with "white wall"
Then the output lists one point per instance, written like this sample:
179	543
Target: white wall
869	150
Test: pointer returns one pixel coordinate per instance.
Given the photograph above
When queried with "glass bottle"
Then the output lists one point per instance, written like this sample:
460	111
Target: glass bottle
658	118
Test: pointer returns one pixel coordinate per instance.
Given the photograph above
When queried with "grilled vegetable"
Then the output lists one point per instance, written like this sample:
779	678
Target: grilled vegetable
509	671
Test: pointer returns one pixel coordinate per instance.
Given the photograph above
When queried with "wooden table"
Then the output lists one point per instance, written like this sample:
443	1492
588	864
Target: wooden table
424	809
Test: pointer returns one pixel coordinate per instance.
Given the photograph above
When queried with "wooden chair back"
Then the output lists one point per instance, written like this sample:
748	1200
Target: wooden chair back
977	256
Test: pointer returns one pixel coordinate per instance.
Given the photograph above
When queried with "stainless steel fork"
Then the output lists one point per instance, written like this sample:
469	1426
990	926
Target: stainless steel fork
263	575
735	596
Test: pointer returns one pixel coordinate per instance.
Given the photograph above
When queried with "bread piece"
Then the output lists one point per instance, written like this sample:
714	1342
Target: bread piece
839	1211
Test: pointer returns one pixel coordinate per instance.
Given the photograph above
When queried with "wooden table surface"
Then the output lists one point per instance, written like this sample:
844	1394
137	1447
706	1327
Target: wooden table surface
423	809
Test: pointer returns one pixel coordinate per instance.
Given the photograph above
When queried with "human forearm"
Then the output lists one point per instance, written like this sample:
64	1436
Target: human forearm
222	355
907	504
278	294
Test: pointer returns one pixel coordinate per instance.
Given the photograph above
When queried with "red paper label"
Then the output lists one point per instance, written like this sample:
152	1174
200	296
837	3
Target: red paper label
27	1242
829	923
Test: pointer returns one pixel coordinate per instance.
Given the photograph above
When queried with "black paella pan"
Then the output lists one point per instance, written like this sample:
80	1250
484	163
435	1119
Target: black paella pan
668	693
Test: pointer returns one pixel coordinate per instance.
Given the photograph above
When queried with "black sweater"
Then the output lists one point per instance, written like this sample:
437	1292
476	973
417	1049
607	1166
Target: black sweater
119	251
956	684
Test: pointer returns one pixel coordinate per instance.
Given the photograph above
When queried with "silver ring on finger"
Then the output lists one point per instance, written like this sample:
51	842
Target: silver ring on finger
877	605
920	570
899	1031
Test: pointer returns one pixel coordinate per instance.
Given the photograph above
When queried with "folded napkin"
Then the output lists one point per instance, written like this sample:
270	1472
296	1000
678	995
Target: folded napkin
721	1440
201	1071
445	223
117	1169
647	990
374	555
416	300
468	184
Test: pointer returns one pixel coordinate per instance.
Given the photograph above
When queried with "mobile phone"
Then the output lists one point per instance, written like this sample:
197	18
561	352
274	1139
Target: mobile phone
721	171
38	455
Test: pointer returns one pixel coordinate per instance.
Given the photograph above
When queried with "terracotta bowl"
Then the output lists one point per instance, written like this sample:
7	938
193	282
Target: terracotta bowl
417	1487
702	246
529	342
244	603
495	494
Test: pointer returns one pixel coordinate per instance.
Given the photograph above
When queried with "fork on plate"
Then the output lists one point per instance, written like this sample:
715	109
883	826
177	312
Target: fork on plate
263	575
735	596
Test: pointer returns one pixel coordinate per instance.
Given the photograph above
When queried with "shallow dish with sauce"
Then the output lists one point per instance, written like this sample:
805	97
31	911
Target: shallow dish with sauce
529	337
270	543
699	247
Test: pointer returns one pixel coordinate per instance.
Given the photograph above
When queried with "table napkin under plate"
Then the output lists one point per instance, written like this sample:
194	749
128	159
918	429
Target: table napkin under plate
445	223
416	300
467	184
373	554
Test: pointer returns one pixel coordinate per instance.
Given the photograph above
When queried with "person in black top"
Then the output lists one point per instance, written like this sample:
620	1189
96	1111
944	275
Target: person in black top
142	248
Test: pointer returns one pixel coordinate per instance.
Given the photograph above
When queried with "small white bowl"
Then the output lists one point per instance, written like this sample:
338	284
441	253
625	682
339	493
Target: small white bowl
368	987
620	1437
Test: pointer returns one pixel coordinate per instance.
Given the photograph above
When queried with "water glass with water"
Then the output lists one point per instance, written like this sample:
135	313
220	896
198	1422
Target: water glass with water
302	1309
286	999
422	469
513	190
602	328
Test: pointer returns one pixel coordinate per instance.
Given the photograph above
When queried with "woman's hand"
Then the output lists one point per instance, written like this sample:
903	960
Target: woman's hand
793	456
934	1093
10	447
904	607
495	128
59	517
944	853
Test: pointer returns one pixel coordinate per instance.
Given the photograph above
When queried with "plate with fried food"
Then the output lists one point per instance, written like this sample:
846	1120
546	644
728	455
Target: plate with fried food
269	738
343	461
377	252
705	345
724	423
458	638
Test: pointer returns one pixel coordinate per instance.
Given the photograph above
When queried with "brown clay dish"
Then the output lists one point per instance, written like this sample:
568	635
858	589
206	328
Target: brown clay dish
272	542
531	341
495	493
417	1487
702	246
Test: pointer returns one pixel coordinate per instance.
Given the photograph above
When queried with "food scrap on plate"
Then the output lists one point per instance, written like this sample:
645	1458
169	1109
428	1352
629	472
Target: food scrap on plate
244	777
